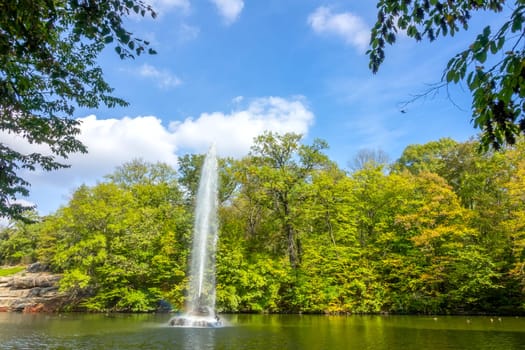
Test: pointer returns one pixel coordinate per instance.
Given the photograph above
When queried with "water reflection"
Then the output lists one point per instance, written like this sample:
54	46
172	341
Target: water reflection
81	331
196	338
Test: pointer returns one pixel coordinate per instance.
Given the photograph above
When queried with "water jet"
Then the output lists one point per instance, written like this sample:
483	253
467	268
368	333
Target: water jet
200	306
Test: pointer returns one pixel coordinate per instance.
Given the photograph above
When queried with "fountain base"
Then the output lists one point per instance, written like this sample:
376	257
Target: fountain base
199	317
192	321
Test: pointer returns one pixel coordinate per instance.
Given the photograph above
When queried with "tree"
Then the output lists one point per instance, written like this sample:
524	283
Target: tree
48	52
139	171
18	242
429	157
368	157
121	245
279	167
189	171
515	225
493	66
335	274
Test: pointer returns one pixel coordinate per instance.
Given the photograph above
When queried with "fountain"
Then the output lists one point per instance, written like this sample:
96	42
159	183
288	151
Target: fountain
200	307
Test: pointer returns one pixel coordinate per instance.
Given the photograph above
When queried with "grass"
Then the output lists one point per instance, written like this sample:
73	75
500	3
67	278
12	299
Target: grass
8	271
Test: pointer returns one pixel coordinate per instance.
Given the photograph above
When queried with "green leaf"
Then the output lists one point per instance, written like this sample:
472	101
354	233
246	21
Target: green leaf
451	75
493	47
481	56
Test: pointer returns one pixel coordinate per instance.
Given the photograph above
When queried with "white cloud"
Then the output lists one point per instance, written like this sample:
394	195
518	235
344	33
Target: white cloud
349	27
113	142
229	9
163	78
110	143
234	132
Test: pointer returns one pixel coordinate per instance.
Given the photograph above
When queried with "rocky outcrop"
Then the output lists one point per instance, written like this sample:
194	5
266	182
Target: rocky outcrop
30	292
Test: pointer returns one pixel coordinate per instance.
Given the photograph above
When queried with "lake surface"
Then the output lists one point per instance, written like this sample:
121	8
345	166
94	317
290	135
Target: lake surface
96	331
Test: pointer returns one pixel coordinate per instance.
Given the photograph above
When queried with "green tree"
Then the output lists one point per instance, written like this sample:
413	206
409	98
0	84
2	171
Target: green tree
189	171
511	232
139	171
121	246
384	256
429	157
280	167
336	274
492	66
454	272
479	180
48	53
19	241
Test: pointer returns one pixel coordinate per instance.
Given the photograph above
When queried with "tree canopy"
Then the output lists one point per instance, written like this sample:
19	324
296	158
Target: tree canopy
493	66
441	230
48	52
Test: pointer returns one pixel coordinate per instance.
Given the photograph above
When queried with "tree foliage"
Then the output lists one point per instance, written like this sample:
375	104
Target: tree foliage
280	166
441	230
121	246
493	66
48	52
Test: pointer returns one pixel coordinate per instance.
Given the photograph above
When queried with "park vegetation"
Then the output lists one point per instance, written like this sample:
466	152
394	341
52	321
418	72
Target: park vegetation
49	67
440	230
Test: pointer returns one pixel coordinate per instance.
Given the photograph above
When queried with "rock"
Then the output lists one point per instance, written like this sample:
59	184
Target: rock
34	308
31	292
34	280
164	306
37	267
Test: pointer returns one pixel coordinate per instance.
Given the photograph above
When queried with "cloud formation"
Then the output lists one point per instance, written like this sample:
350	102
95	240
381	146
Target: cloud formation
163	78
234	132
229	9
113	142
110	143
347	26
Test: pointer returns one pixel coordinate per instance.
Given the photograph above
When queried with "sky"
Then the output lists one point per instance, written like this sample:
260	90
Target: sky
228	70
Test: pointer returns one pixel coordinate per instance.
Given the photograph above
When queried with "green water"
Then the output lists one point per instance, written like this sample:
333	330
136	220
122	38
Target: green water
94	331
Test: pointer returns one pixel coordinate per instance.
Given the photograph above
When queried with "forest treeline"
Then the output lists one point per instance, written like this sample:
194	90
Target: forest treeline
440	230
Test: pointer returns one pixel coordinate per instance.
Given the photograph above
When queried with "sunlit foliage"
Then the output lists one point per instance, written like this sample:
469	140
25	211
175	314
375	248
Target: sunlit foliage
441	230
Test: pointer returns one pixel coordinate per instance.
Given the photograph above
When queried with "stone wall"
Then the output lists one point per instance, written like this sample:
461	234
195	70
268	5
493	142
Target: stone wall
30	292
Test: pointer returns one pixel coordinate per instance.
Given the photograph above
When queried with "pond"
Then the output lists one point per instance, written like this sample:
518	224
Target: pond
118	331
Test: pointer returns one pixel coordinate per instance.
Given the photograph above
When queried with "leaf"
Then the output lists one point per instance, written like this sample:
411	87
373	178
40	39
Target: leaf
481	56
493	47
451	75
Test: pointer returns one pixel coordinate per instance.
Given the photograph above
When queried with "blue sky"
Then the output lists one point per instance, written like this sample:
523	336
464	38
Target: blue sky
226	70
